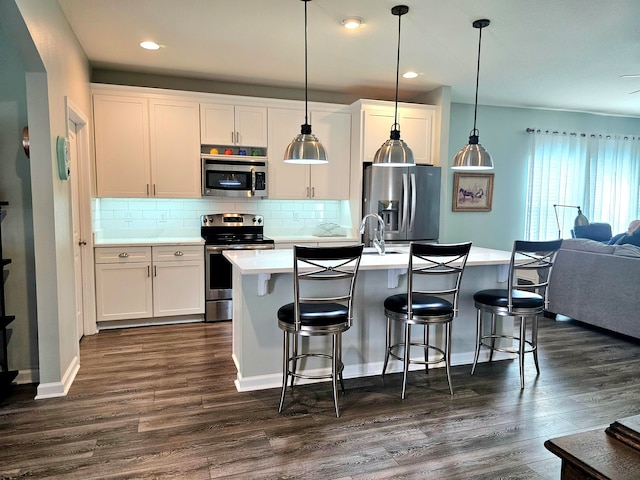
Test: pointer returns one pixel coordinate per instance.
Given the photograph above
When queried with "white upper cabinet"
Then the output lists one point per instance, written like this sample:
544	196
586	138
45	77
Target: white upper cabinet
323	182
175	149
146	147
416	124
121	126
224	124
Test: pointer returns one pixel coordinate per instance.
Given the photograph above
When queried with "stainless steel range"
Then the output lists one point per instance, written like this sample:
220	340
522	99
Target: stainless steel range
226	231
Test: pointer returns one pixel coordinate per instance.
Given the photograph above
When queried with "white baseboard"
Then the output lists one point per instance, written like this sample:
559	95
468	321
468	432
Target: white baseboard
59	389
274	380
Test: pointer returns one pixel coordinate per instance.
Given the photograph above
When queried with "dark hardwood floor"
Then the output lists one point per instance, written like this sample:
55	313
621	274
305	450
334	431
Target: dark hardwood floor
159	402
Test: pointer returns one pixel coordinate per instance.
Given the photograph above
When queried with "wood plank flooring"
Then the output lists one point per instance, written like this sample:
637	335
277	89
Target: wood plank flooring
159	402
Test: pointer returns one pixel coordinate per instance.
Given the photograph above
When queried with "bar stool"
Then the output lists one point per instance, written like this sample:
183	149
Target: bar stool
518	300
323	285
426	307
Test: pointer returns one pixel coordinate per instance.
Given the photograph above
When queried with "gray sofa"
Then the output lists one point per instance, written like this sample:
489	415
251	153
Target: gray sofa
597	284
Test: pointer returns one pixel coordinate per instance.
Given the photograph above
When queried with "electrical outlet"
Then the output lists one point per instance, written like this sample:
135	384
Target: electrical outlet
163	216
128	217
296	216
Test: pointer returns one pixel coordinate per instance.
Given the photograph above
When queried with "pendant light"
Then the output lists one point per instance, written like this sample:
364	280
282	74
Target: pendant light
394	152
473	156
305	148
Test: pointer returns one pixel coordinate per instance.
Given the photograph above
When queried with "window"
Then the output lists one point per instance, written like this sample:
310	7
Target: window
598	173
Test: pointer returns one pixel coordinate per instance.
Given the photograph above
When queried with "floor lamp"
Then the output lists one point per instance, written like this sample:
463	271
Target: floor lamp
579	220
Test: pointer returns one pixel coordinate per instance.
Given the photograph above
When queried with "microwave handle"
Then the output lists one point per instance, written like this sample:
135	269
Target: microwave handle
253	182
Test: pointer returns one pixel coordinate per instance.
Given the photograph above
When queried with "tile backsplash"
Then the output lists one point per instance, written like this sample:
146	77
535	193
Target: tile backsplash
280	216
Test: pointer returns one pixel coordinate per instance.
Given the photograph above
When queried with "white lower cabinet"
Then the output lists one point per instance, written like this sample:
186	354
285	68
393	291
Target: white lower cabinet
146	282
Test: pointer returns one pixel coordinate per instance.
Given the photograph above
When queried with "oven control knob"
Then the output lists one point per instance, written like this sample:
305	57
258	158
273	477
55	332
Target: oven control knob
257	220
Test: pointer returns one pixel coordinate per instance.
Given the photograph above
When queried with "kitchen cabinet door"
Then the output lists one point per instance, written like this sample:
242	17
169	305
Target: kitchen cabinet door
123	291
330	181
416	129
242	125
285	180
178	288
175	149
121	131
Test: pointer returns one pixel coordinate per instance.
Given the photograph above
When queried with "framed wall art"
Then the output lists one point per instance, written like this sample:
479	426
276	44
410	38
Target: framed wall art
472	192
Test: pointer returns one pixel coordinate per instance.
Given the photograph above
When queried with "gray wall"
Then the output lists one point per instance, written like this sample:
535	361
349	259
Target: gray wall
502	133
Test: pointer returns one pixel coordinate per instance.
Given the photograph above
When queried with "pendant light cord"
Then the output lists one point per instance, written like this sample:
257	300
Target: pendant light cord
306	117
475	110
395	118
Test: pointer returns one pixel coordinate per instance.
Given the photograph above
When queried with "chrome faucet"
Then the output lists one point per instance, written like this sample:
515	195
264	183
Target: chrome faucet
378	240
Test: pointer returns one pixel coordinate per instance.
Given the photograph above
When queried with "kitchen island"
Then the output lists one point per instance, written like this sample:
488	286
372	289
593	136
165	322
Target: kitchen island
263	282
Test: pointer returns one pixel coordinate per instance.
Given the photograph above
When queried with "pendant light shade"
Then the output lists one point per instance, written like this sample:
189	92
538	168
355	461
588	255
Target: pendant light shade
305	148
395	152
473	156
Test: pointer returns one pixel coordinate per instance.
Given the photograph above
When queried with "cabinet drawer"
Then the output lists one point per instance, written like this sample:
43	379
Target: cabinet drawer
177	253
124	254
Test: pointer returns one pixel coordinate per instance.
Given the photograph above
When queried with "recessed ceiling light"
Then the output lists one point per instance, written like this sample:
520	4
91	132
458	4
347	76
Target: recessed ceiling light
352	22
149	45
409	75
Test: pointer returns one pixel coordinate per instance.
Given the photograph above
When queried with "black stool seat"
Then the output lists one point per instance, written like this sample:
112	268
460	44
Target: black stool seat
314	314
499	297
422	305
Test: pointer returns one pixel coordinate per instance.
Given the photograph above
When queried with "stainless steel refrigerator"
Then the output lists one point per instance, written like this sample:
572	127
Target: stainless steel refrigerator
407	199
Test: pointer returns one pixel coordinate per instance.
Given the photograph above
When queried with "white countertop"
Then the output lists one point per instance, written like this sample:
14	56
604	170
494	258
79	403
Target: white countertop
147	237
253	262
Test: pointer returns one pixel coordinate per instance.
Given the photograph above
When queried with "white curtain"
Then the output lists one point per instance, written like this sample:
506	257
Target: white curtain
599	173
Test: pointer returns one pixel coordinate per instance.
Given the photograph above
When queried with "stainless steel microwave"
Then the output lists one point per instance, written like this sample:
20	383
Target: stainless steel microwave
234	178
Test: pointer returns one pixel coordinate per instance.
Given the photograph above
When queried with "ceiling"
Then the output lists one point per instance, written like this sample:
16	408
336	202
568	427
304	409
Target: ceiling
552	54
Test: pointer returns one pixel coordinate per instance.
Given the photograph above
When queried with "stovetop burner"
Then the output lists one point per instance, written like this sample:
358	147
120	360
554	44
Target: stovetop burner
233	229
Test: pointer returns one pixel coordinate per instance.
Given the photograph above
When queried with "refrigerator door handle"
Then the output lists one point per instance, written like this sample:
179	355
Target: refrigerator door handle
412	212
405	202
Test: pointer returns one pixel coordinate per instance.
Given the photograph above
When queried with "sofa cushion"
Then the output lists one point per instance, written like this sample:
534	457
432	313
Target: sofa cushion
627	251
586	245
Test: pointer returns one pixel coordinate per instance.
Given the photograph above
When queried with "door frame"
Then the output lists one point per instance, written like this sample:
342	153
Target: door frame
75	115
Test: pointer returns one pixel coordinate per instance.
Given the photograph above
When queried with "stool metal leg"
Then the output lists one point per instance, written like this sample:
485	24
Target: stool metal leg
493	336
285	370
407	351
478	339
387	347
447	355
523	331
426	348
334	372
534	341
295	358
340	365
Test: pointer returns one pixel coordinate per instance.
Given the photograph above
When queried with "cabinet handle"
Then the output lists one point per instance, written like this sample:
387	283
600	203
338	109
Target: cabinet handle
313	192
233	137
178	253
148	271
307	192
155	270
82	242
154	189
124	255
147	189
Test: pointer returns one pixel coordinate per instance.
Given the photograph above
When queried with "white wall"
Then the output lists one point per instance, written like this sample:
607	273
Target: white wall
503	134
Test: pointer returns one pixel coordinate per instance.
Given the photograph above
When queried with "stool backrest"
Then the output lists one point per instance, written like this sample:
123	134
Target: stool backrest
533	261
432	259
315	266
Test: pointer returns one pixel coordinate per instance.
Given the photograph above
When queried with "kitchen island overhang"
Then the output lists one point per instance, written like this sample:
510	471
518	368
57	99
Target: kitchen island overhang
263	282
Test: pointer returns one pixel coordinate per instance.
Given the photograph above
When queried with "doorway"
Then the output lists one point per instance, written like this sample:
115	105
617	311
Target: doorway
80	181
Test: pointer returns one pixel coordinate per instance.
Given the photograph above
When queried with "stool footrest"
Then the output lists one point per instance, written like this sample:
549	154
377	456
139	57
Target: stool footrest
441	353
